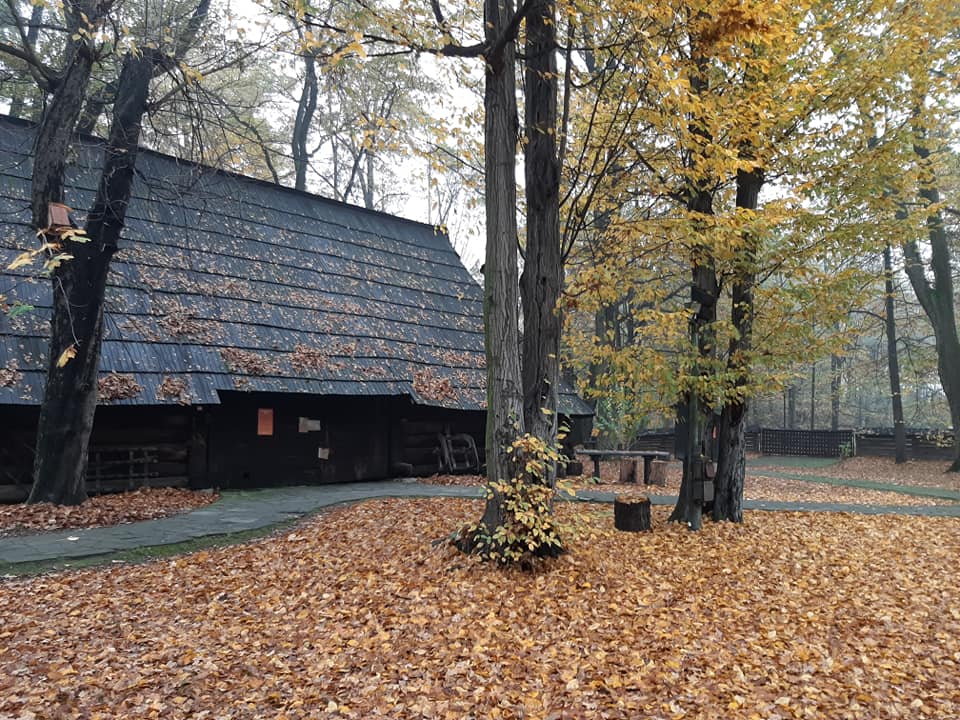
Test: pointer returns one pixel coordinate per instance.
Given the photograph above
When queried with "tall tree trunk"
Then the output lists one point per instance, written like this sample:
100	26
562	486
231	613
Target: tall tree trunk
704	291
306	108
60	120
792	407
893	360
836	385
541	278
731	460
70	395
813	396
937	298
603	320
369	183
501	277
47	186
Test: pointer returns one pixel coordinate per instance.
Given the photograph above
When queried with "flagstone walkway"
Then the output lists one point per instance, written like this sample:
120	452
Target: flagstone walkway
243	510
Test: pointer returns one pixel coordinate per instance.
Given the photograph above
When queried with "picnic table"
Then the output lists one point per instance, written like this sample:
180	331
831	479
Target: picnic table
648	457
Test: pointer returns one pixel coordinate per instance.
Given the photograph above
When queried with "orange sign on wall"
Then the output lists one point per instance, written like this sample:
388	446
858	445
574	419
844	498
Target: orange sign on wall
265	421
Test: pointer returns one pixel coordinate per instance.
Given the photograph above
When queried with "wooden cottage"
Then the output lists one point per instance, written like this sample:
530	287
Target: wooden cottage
254	334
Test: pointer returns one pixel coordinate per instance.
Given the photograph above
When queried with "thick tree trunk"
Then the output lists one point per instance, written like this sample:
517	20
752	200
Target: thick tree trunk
49	160
541	278
501	280
70	396
893	360
731	459
59	122
937	299
704	290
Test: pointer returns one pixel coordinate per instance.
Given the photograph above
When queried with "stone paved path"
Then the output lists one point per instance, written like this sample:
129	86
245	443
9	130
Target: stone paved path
252	509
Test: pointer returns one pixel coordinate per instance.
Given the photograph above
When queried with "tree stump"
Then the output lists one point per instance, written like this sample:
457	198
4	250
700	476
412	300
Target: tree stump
658	472
574	468
628	471
631	513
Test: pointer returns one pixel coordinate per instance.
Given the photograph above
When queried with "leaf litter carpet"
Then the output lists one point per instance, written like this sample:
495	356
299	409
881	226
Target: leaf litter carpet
357	614
101	510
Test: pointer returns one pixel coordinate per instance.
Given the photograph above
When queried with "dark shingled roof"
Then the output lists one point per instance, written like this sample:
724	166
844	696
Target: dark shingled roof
224	282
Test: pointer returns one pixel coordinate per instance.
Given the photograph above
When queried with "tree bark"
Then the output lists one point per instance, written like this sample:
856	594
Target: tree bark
70	395
501	277
836	384
704	292
631	513
60	120
813	395
936	297
731	459
542	269
306	108
893	360
47	186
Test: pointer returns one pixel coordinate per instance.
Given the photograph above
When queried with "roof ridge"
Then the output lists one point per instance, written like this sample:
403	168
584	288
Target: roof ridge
97	140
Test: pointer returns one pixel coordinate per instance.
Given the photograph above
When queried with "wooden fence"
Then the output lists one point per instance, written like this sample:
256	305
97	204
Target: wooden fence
810	443
822	443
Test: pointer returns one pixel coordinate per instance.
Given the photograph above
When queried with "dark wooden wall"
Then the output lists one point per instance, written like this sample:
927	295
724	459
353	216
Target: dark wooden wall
353	435
130	447
351	438
415	441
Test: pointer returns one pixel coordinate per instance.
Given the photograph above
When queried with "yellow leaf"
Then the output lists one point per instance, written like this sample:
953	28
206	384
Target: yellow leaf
67	355
24	258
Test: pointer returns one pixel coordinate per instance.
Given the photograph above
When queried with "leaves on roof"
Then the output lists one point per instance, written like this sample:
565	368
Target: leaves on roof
174	388
305	357
210	261
9	374
431	387
179	321
118	386
248	362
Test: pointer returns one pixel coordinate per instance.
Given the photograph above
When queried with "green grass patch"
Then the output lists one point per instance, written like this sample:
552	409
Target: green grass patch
790	461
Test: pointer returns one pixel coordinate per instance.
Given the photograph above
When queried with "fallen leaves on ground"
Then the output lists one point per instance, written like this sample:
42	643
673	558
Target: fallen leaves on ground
143	504
356	614
922	473
453	480
761	487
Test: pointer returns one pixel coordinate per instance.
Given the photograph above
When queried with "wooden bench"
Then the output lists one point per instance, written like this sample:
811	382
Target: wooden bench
648	457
